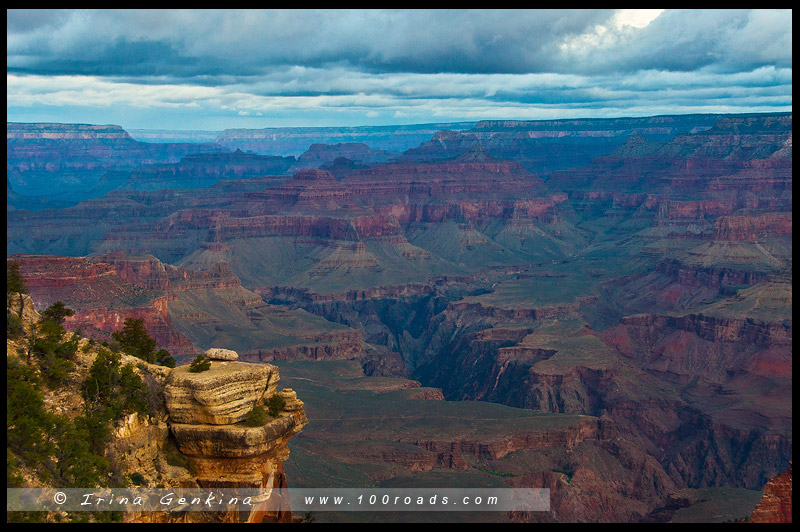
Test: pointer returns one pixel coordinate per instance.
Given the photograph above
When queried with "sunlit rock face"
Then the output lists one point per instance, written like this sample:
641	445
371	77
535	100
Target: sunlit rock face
776	503
222	395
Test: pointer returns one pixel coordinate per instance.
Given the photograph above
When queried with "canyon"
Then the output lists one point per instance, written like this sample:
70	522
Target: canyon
598	306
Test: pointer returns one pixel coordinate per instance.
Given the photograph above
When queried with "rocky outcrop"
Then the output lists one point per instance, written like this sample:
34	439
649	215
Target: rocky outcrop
206	410
776	503
519	314
452	453
718	329
22	306
221	396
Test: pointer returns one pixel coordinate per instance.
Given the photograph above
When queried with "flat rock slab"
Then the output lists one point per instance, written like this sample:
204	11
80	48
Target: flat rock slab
217	353
223	395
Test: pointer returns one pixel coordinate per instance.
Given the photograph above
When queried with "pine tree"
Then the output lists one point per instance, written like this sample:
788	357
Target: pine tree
135	341
15	283
57	313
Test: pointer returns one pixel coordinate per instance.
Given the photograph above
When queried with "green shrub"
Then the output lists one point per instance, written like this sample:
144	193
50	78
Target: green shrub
13	326
55	356
257	417
275	405
114	389
28	423
163	358
200	364
78	462
173	456
138	479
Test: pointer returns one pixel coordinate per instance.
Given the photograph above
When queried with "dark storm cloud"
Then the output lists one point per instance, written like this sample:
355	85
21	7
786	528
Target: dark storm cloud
242	43
429	64
118	58
246	42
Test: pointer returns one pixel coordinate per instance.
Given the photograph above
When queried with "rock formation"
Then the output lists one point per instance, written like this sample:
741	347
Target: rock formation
776	503
322	154
216	353
206	411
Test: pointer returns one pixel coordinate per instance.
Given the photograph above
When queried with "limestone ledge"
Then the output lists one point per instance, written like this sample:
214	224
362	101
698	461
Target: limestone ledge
223	395
238	441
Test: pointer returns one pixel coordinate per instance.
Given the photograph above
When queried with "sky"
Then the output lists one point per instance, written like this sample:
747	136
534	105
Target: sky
218	69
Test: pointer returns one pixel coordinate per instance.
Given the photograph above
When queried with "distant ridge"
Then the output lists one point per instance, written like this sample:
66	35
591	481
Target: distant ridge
297	140
50	130
621	122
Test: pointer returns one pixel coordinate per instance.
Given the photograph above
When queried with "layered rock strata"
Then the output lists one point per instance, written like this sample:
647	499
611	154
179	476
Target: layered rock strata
776	503
206	412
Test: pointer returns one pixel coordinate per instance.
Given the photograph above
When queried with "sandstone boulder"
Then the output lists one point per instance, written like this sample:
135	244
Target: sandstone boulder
216	353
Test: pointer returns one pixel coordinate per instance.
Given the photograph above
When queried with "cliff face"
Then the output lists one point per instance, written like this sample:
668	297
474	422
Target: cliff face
544	146
205	169
18	131
104	292
737	154
752	229
776	503
61	146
